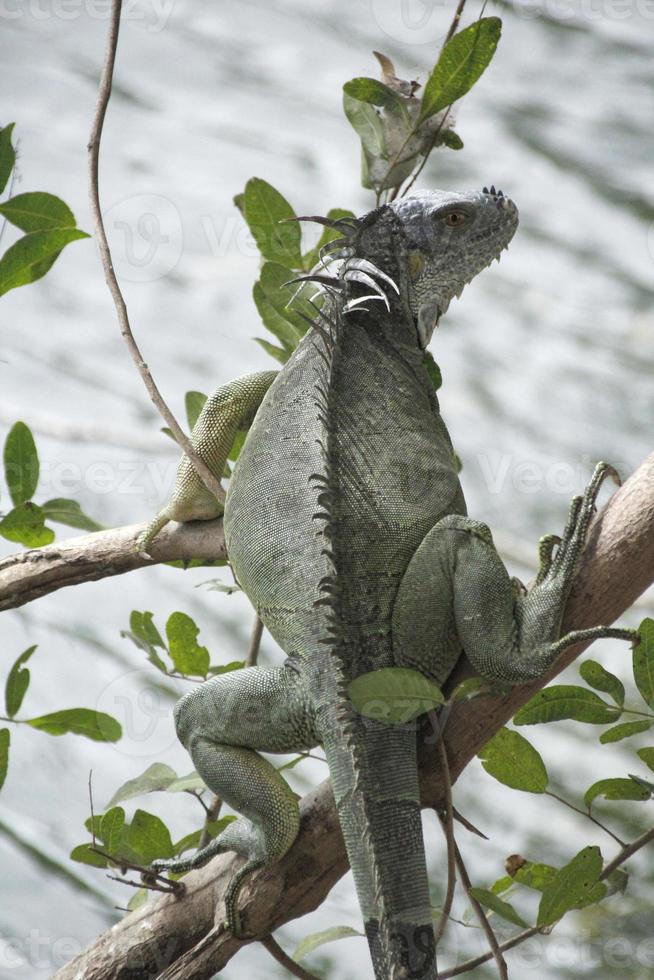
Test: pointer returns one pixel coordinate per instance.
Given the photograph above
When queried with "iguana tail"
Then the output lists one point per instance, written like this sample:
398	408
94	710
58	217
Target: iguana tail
374	777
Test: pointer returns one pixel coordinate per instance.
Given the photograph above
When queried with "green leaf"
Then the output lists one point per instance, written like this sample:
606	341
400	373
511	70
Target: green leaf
24	524
194	402
138	899
226	668
602	680
192	840
643	662
32	256
502	884
112	828
491	901
185	652
237	445
647	755
191	783
79	721
37	211
156	777
535	875
264	209
471	688
145	635
85	855
292	763
433	371
394	695
273	281
70	513
452	139
366	122
4	754
616	789
239	202
574	886
21	462
149	837
7	155
17	683
278	353
317	939
373	91
510	758
463	59
625	730
328	235
273	320
566	701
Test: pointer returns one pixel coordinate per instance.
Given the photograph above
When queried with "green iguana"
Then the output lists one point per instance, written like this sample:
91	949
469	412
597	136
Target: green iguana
346	526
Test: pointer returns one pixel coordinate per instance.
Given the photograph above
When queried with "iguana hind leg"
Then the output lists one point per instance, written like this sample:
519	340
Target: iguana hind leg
457	592
223	723
230	408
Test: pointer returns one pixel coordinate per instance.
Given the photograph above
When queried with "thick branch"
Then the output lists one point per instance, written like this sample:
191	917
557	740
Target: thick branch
29	575
618	565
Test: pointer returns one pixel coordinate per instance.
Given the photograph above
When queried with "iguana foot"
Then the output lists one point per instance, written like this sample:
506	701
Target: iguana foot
237	837
559	565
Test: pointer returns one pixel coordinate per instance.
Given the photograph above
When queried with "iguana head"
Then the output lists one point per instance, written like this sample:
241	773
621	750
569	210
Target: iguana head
449	238
418	252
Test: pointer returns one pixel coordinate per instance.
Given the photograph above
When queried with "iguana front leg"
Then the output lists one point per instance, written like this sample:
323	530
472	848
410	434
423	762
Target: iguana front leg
230	408
456	591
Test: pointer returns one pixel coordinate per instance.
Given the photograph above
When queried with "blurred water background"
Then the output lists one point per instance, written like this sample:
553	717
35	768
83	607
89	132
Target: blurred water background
547	363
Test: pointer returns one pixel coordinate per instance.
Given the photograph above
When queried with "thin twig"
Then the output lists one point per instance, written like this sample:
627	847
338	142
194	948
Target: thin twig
485	957
426	155
255	641
455	22
585	813
447	823
211	813
495	950
278	954
627	851
210	481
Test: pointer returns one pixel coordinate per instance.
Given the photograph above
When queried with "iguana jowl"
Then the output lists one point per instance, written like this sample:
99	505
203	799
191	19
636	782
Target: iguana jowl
346	526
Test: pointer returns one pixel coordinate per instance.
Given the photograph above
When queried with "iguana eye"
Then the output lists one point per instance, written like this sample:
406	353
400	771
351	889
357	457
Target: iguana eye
455	218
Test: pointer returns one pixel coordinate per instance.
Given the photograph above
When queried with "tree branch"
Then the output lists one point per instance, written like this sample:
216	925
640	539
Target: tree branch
617	566
29	575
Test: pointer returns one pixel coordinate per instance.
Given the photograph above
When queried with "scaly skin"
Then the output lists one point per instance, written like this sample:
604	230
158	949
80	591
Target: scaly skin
346	526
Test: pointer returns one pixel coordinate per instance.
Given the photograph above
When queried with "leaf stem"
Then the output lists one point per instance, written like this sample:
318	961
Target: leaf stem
585	813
